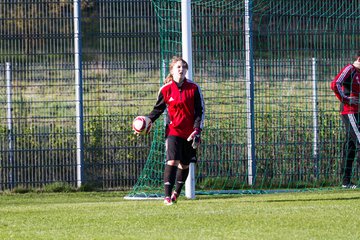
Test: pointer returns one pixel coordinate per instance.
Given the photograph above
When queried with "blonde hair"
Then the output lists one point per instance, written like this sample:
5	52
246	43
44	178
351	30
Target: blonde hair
173	61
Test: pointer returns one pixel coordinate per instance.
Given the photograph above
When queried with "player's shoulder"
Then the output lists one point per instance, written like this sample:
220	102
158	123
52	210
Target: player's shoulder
349	67
165	87
192	83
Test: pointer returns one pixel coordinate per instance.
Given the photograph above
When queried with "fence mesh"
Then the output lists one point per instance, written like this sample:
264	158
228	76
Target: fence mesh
299	46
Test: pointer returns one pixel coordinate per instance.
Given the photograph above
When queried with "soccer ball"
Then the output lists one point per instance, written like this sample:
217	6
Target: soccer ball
142	125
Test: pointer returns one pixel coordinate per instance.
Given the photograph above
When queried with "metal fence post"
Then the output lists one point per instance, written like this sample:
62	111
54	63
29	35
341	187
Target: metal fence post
315	123
78	92
250	92
9	124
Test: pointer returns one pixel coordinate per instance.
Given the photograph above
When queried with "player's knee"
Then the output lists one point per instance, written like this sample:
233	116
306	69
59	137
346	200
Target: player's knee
183	166
172	162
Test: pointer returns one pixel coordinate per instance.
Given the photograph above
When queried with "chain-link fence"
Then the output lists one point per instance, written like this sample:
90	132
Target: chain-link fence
124	44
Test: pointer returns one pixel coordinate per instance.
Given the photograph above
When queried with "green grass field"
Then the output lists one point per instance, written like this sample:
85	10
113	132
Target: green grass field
310	215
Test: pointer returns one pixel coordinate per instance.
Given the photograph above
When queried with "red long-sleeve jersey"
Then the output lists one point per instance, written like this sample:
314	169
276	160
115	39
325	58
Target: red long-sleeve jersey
346	85
185	108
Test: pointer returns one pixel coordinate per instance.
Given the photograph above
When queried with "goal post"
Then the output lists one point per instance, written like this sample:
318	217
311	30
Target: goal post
187	56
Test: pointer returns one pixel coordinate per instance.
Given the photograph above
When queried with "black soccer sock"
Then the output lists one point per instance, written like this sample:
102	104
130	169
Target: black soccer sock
181	176
169	179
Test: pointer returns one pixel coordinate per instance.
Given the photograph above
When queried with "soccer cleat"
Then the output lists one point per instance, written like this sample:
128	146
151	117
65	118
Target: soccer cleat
349	186
174	197
167	201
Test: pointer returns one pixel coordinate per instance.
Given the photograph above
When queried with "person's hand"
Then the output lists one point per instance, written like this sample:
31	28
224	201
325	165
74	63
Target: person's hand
354	101
195	137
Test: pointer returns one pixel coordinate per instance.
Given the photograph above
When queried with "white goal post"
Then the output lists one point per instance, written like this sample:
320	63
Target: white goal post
187	56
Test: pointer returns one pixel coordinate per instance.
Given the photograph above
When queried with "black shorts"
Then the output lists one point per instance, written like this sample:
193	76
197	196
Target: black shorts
179	149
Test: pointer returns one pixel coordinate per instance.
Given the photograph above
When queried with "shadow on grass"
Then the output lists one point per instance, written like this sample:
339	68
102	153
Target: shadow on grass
285	194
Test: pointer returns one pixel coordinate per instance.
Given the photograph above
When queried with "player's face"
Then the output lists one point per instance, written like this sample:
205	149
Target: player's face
178	71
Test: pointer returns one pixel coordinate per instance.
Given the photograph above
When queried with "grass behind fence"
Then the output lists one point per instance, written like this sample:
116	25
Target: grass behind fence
44	125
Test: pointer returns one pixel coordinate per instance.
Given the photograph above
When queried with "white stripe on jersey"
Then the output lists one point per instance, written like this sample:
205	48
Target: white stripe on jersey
354	126
341	79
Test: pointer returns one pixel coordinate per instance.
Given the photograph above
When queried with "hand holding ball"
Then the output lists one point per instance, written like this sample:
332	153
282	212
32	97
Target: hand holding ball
141	125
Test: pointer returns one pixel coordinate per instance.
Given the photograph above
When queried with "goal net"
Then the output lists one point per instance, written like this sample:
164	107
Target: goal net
298	47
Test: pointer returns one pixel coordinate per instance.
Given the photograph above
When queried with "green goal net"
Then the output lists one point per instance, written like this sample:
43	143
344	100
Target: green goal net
297	49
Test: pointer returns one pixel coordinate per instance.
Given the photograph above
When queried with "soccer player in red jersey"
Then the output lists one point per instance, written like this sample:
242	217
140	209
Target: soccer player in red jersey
346	86
184	102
